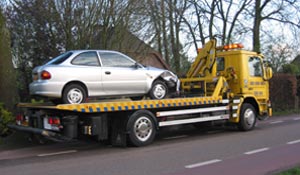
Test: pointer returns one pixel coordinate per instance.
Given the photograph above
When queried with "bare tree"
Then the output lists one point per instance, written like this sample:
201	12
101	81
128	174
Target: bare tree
282	11
216	17
278	52
229	15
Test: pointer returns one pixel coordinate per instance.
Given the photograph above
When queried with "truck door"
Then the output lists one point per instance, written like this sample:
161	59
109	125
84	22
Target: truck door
256	84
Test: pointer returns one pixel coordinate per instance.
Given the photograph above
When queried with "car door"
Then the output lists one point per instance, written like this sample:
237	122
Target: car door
87	69
121	75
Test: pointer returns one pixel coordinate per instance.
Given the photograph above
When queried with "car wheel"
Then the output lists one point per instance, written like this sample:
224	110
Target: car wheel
159	90
142	128
74	94
247	117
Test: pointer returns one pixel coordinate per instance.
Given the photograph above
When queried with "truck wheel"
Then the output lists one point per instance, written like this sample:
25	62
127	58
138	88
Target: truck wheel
247	117
74	94
142	128
159	90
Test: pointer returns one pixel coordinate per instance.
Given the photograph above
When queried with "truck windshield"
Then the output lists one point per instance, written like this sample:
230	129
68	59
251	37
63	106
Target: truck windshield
59	59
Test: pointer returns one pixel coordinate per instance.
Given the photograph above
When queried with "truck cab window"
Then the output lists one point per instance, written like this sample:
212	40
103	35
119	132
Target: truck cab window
220	64
255	68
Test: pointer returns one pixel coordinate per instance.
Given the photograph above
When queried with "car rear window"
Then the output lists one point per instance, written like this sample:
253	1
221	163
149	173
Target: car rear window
86	59
61	58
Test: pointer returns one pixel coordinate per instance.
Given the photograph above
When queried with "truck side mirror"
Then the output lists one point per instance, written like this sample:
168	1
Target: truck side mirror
268	74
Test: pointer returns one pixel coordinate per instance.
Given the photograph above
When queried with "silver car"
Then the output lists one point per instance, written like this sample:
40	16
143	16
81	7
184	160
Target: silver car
76	75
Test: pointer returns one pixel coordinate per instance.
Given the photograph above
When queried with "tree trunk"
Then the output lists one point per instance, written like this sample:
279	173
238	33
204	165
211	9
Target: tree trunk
8	93
165	35
256	27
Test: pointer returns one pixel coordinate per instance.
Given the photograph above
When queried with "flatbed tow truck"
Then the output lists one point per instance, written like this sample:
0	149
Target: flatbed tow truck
225	85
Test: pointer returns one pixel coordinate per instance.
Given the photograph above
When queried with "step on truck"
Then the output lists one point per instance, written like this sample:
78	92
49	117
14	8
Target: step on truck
225	84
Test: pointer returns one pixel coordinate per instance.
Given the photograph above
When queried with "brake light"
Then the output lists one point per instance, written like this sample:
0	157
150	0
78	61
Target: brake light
45	75
19	119
54	121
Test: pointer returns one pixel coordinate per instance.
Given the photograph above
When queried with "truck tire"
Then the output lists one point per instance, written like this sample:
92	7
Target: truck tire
248	117
159	90
74	94
142	128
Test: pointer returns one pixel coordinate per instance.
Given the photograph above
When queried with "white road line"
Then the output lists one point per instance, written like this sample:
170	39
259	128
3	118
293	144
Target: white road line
297	118
293	142
256	151
275	122
203	163
57	153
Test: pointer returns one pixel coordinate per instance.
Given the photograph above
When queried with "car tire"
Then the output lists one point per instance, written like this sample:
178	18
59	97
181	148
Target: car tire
248	117
74	94
141	128
159	90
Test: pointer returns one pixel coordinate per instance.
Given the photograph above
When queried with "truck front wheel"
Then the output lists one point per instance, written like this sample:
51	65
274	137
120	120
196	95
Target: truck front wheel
142	128
247	117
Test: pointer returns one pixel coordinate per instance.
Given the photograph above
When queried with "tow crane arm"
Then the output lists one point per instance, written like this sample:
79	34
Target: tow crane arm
204	61
202	75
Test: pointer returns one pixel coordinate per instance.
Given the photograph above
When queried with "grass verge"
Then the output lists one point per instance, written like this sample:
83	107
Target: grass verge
293	171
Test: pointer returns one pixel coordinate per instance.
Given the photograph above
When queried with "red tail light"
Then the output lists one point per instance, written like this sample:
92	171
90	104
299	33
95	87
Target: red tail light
53	121
19	119
45	75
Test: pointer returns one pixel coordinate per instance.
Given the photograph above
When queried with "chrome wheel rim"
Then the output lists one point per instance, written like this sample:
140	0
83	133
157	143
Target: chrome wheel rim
249	117
159	91
75	96
143	128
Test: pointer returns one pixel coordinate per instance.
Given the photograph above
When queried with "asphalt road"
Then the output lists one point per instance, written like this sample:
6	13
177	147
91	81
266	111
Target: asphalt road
272	146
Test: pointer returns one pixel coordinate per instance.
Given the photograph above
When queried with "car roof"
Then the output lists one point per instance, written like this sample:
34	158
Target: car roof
94	50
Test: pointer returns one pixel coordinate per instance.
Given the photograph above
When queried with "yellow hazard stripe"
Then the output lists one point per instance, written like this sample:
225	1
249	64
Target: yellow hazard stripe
135	105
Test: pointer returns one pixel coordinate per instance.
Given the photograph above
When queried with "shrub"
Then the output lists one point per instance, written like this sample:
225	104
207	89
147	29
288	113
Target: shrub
6	117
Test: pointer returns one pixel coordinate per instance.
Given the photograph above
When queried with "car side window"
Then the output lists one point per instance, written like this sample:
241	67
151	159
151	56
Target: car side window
86	59
112	59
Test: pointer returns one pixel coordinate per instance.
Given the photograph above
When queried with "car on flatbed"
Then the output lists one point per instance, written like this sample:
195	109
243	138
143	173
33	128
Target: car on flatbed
74	76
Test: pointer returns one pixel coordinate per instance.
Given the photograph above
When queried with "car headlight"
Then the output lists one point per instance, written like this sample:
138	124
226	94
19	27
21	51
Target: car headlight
169	76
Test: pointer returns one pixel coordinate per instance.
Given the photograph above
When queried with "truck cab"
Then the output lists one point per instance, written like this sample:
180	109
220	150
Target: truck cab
245	75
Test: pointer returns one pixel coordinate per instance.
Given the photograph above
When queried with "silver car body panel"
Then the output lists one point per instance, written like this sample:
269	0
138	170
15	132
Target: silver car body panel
98	80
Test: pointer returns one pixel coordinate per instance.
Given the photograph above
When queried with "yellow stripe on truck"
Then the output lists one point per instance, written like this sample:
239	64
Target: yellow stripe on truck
134	105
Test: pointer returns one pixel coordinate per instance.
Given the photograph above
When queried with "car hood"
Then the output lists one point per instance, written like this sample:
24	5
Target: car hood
165	74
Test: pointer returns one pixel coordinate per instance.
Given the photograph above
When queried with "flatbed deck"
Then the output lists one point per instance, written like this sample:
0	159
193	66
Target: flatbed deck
96	107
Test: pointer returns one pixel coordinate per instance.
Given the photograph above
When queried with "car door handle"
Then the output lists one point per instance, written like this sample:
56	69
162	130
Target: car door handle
107	72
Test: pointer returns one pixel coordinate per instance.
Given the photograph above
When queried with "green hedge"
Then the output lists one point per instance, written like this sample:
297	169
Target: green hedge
6	117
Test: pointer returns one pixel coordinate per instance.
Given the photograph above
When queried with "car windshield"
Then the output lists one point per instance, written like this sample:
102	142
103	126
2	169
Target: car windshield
59	59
